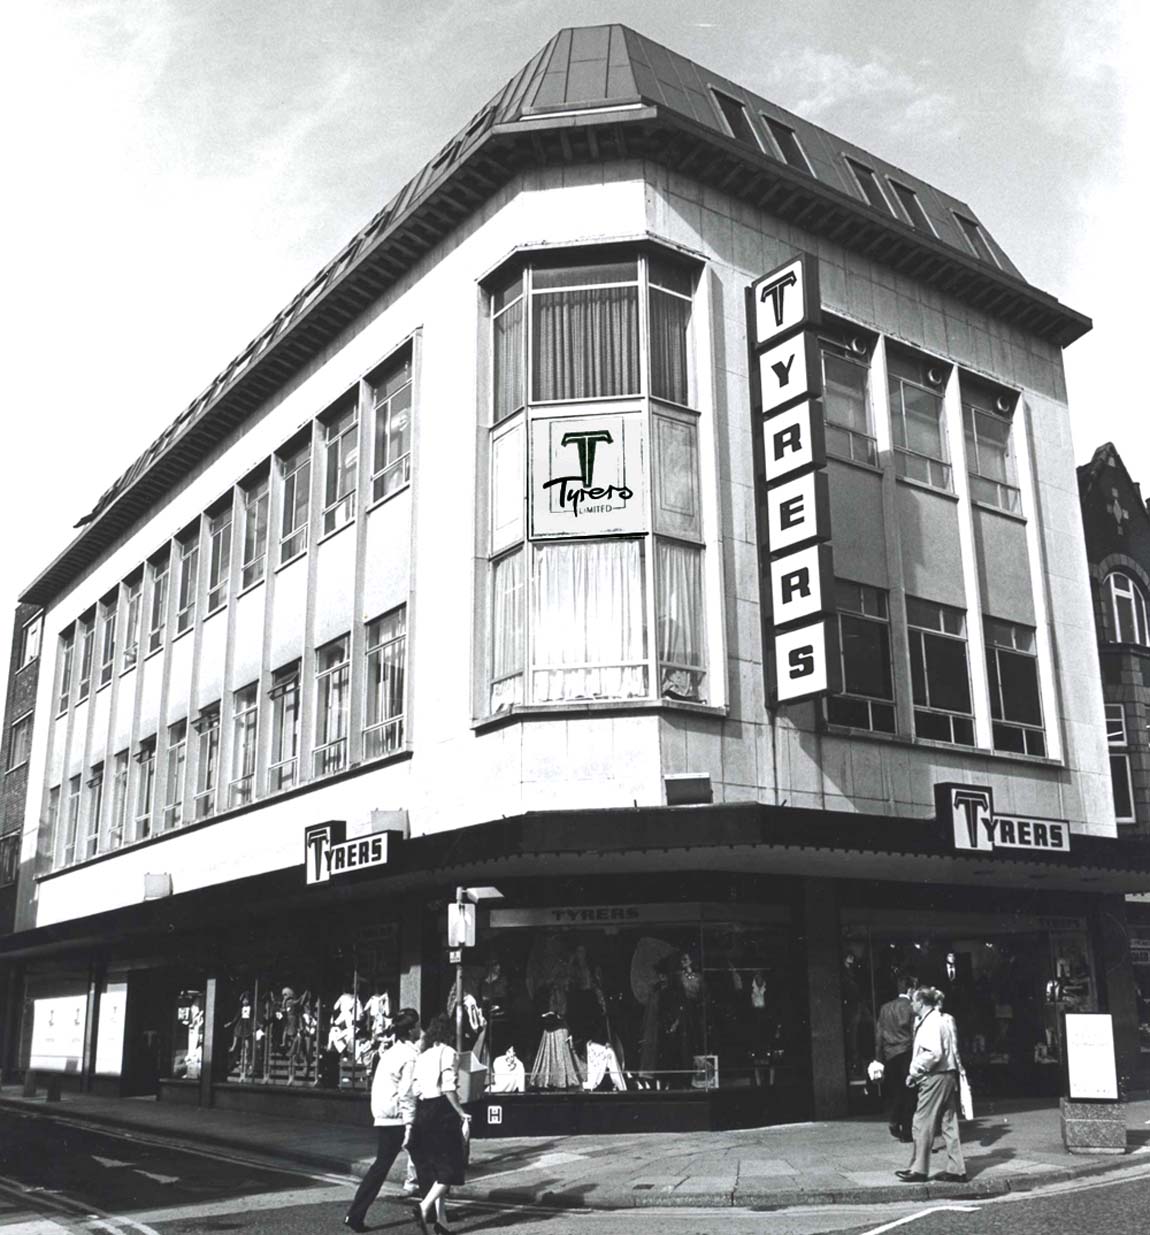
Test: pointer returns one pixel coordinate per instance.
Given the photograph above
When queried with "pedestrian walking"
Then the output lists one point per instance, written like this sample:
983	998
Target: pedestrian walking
934	1068
893	1043
393	1110
438	1137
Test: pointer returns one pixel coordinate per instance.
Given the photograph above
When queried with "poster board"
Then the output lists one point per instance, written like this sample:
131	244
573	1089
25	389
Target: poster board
1090	1069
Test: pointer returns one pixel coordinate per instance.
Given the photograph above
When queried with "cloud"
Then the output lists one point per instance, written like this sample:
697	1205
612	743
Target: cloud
836	88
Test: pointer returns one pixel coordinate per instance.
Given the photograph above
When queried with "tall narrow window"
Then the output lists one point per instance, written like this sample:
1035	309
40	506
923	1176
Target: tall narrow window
976	239
207	726
107	640
133	606
1128	609
67	853
917	424
585	331
219	557
867	698
386	680
283	772
340	465
332	699
1120	778
158	604
87	641
507	632
846	408
1015	704
245	725
508	337
392	411
908	200
118	816
679	612
869	186
296	472
940	678
30	635
9	858
735	114
788	144
989	458
20	741
93	809
254	498
145	787
174	786
669	294
54	823
64	673
187	579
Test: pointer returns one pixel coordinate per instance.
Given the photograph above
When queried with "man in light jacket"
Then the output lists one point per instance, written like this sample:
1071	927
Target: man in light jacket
393	1109
934	1073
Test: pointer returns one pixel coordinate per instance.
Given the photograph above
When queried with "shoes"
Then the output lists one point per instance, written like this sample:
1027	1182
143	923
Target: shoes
411	1189
894	1132
420	1220
353	1224
907	1140
948	1177
911	1177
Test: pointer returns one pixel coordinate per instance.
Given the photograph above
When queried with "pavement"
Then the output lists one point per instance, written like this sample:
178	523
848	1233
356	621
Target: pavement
1013	1146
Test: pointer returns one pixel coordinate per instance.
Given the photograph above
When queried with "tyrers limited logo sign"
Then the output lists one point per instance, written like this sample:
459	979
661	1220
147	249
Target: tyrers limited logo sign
969	811
326	853
576	490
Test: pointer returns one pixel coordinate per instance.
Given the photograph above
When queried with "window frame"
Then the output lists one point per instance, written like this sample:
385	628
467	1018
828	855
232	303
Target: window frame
245	744
976	239
93	807
159	596
284	773
86	632
255	512
108	614
1138	609
175	776
401	365
295	471
903	194
919	633
742	113
783	144
866	605
1118	748
391	725
1003	494
31	639
218	531
842	352
143	789
20	727
1033	735
871	177
340	425
904	454
187	579
65	669
207	729
133	615
331	754
121	790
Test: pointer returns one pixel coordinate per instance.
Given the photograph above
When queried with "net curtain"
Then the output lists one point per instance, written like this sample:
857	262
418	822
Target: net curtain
586	343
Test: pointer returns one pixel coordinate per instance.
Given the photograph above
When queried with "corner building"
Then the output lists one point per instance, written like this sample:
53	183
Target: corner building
454	578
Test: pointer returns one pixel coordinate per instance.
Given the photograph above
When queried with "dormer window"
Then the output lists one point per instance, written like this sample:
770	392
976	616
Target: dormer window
912	207
735	114
869	185
976	239
788	145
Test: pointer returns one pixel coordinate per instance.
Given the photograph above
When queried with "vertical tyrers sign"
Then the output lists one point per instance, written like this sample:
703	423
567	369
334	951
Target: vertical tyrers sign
794	508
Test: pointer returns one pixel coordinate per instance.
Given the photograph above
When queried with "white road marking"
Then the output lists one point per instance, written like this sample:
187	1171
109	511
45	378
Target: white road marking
160	1179
922	1213
108	1161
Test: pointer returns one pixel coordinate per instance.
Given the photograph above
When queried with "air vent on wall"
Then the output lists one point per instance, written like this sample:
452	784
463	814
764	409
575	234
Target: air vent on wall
1003	404
858	345
935	375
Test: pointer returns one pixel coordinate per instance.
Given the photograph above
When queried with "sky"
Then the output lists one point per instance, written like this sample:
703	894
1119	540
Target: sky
176	170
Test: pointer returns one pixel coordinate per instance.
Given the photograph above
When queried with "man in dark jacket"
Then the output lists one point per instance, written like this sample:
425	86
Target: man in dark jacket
893	1040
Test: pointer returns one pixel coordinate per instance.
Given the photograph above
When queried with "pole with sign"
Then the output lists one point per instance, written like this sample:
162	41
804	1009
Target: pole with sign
461	935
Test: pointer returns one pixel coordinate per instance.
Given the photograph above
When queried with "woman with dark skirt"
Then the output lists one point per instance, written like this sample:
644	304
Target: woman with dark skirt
437	1138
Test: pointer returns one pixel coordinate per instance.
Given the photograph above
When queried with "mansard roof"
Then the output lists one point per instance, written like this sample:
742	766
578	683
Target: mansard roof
592	94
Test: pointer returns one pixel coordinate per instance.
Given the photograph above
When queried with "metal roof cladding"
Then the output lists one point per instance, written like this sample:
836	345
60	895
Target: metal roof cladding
592	94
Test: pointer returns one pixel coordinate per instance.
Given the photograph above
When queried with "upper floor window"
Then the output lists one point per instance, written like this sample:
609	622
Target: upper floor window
669	314
283	772
87	639
30	635
107	640
95	805
975	237
64	672
735	114
340	464
66	853
219	556
187	578
174	784
9	858
245	726
681	644
133	608
846	409
391	411
788	144
508	329
54	823
1128	609
332	705
869	185
940	677
1120	777
989	457
1015	703
912	207
207	726
158	603
145	787
918	427
295	470
254	505
867	698
386	681
20	741
118	818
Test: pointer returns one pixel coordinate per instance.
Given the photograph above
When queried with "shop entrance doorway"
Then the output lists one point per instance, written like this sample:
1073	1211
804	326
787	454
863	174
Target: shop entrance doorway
146	1033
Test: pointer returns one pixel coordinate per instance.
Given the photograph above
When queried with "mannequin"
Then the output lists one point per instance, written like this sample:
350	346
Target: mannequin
556	1064
346	1014
507	1073
194	1055
289	1018
242	1026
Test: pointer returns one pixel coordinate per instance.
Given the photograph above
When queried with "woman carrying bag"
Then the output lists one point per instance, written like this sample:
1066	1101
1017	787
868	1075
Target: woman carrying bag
440	1133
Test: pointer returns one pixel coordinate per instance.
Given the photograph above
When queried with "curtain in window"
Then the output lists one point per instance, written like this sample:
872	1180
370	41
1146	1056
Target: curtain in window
679	574
507	632
586	343
589	637
509	361
669	322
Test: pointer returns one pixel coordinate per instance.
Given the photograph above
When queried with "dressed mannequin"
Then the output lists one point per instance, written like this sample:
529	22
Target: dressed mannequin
347	1012
507	1073
556	1064
193	1057
242	1026
308	1034
289	1017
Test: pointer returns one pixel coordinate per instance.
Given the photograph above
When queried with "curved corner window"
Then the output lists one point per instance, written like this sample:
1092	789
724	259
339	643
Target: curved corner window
1128	609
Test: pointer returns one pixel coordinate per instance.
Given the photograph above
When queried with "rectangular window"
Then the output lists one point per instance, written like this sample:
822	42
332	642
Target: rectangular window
245	727
1116	738
187	579
107	640
30	641
677	504
20	741
54	824
158	606
867	699
392	411
341	464
386	684
679	615
869	185
118	820
64	673
585	331
507	631
295	470
669	317
735	114
174	786
976	239
9	858
845	404
1015	704
283	772
917	425
989	458
94	806
588	621
940	678
788	145
219	557
133	606
912	207
67	853
145	787
207	727
254	500
509	348
332	703
87	639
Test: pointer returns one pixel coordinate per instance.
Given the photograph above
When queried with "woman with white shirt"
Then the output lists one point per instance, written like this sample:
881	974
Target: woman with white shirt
437	1138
